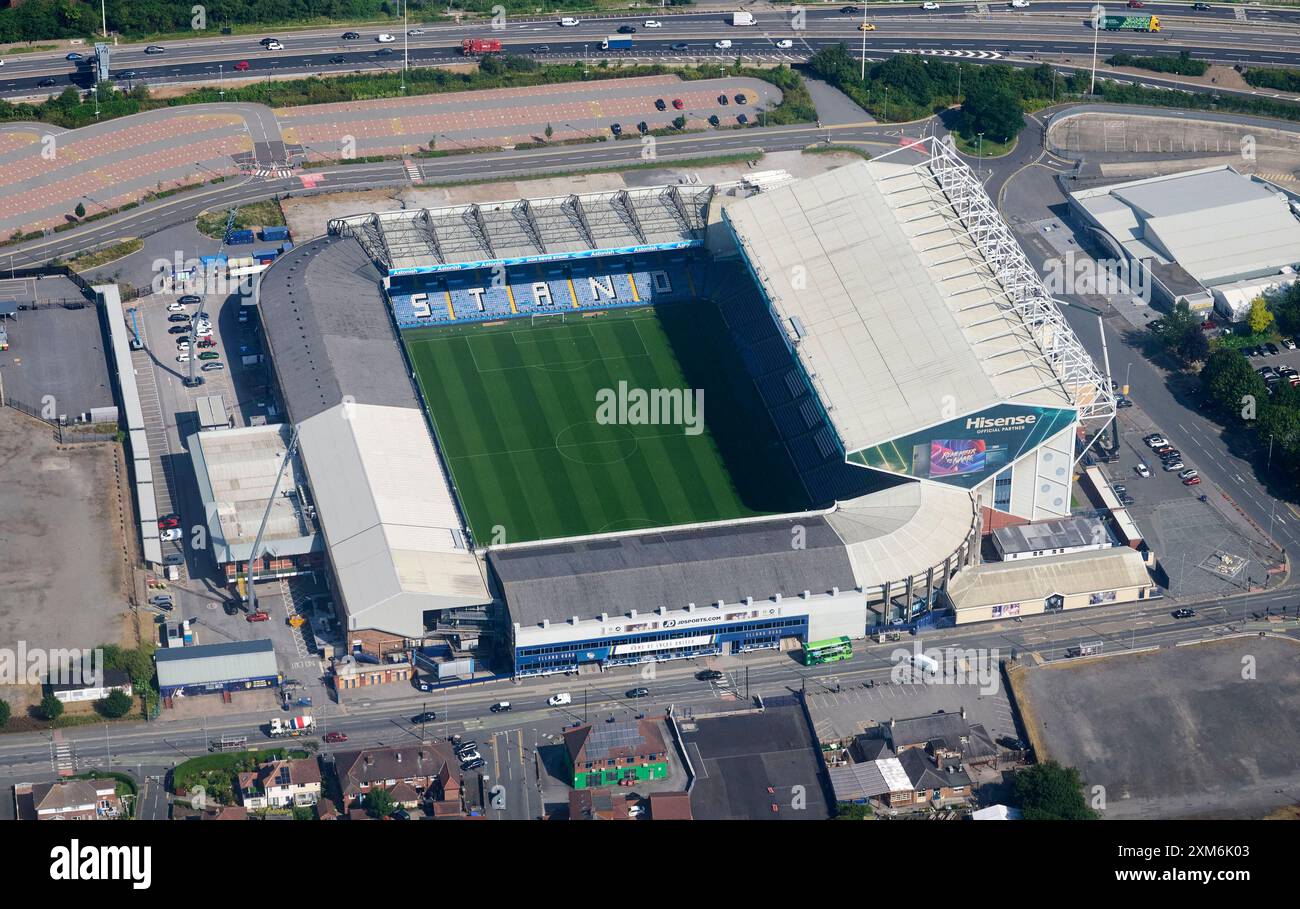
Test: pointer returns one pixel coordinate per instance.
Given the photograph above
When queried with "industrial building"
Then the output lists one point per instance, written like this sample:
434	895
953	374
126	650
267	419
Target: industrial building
1051	538
210	668
1213	238
236	471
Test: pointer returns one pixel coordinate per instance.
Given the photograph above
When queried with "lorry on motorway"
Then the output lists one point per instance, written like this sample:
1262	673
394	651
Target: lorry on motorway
743	18
616	42
293	726
471	47
1130	23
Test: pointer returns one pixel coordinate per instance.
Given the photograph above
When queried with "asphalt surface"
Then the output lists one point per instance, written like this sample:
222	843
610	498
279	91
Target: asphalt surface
980	31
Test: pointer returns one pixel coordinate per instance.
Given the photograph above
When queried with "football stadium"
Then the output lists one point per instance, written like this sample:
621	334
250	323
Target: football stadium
674	421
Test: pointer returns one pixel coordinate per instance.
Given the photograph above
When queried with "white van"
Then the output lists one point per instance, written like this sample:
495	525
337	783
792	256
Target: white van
785	43
559	700
570	22
923	663
724	44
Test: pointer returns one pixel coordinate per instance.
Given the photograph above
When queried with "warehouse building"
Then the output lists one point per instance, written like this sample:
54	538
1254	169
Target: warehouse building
1213	238
211	668
1003	590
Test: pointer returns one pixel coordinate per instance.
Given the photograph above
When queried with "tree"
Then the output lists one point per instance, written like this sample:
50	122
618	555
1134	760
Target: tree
5	712
1050	792
51	707
80	210
992	109
433	142
550	131
1260	318
379	802
1231	385
116	704
851	811
1194	347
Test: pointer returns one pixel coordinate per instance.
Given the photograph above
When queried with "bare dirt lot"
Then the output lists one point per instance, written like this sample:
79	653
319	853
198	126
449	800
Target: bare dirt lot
1202	731
62	578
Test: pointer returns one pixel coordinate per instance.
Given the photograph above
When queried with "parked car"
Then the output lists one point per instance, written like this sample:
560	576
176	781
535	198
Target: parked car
1192	481
258	616
207	342
333	738
1288	343
209	355
1123	401
173	558
678	104
169	520
500	707
742	98
1188	474
661	104
400	814
616	128
189	299
421	684
1272	349
473	765
713	120
639	693
723	100
742	119
427	717
213	367
1010	741
160	599
1156	441
1171	466
178	317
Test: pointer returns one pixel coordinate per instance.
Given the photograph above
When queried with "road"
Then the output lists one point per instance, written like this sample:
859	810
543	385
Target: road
1046	30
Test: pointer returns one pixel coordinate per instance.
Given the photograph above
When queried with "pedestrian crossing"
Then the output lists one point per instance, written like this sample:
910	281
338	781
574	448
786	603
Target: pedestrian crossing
1274	176
412	171
276	172
62	757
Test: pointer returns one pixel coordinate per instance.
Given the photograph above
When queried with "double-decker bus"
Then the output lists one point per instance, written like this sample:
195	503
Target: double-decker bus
829	651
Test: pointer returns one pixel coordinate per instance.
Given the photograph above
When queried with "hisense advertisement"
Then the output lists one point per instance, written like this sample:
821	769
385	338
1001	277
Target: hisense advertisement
968	450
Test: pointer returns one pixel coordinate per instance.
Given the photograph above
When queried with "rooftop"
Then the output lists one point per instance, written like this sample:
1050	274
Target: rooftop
236	470
523	230
1218	224
902	315
329	331
998	583
1066	533
212	663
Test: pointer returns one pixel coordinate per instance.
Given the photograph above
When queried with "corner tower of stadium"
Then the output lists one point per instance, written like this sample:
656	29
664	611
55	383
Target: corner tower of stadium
868	374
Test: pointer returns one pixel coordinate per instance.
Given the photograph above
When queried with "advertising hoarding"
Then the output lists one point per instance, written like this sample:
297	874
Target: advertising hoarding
970	449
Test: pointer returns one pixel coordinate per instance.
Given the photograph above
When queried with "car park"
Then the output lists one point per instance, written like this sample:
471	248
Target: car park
207	342
160	599
182	344
1288	343
500	707
178	317
1183	613
427	716
190	299
183	358
661	104
1010	741
1172	454
178	330
469	756
175	306
639	693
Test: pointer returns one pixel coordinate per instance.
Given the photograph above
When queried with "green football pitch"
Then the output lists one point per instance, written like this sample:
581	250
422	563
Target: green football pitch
515	408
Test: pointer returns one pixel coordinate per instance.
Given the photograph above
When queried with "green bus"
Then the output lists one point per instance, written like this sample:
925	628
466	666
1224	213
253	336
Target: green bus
830	651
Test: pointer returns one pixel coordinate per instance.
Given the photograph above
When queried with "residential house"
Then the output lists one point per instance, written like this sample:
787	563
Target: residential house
598	805
281	784
947	737
67	800
430	769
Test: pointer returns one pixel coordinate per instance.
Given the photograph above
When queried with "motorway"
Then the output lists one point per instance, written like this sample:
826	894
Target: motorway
1046	31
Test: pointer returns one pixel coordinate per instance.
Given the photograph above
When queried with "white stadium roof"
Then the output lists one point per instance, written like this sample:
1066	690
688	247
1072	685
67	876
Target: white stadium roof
388	516
911	301
1219	225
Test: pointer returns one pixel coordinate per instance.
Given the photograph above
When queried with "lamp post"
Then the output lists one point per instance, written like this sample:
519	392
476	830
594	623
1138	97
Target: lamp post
863	77
1098	12
406	43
